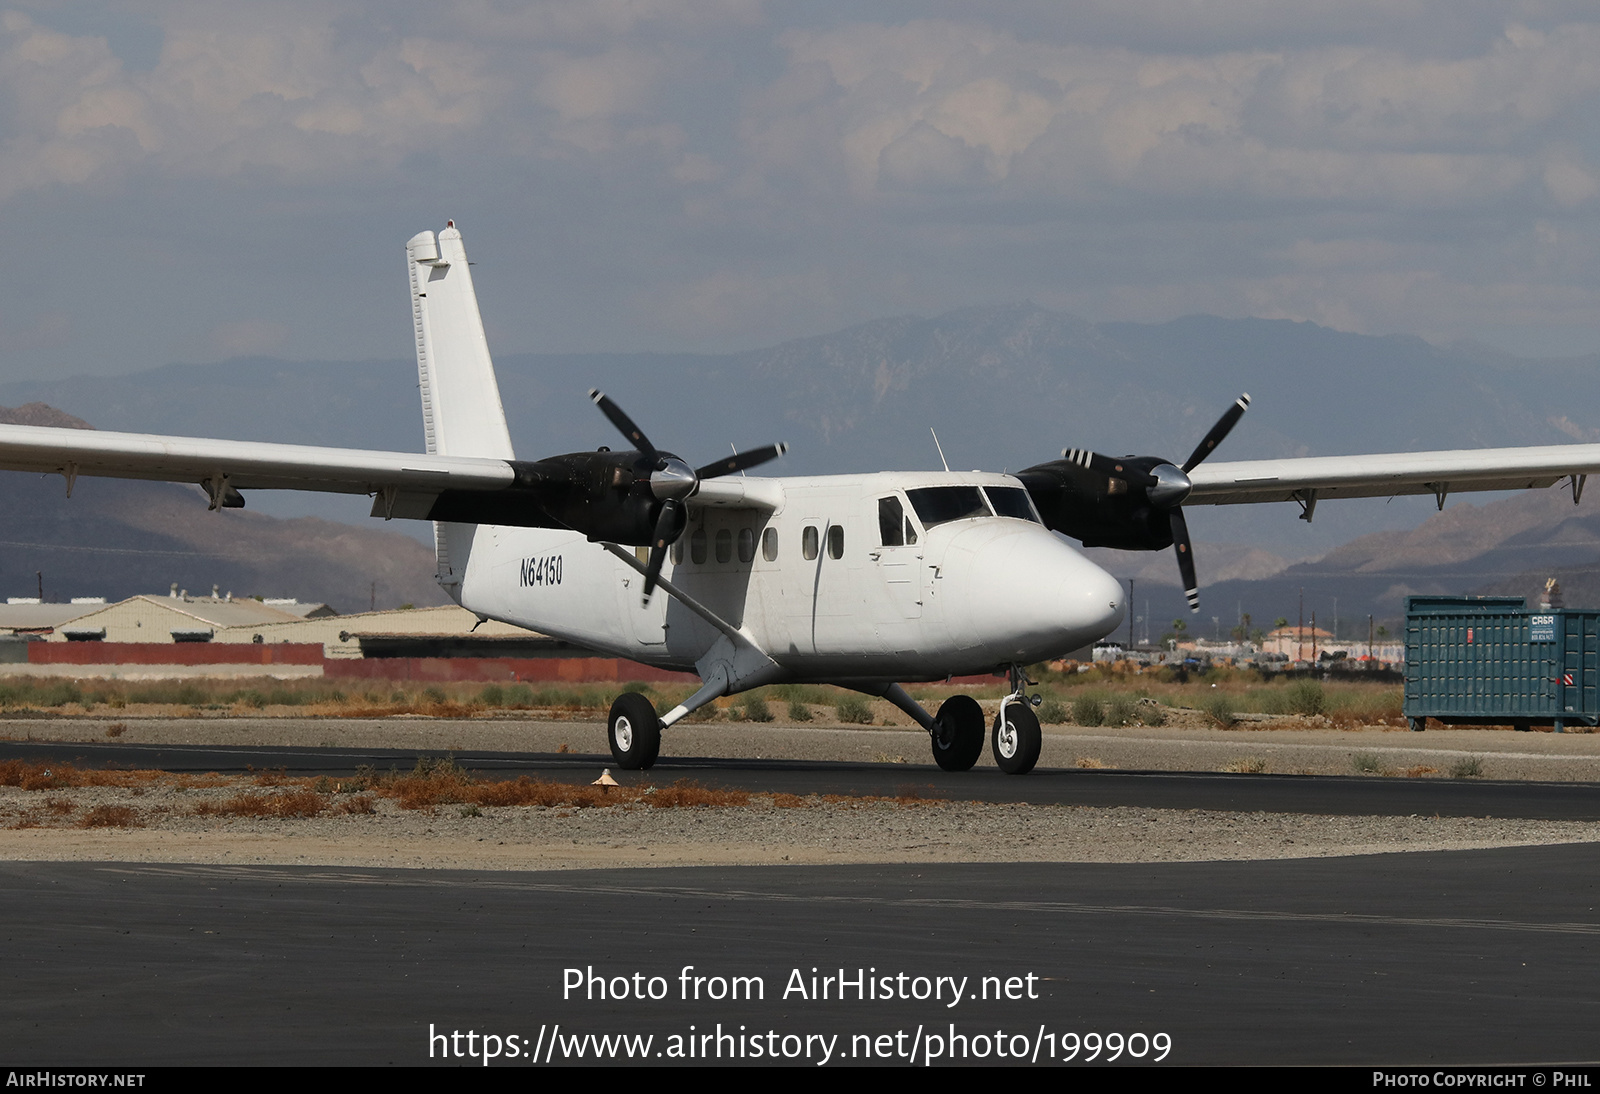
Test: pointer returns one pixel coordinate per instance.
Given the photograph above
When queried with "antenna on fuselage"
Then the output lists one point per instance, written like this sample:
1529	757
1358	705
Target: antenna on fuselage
940	447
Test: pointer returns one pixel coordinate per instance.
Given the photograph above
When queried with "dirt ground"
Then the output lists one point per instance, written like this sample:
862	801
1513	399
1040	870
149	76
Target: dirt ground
167	820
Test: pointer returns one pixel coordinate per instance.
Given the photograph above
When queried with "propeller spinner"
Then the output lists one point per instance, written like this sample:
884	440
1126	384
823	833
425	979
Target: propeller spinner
672	482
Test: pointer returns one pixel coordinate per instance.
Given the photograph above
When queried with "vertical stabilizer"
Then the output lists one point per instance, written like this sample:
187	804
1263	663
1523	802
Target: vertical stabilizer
461	410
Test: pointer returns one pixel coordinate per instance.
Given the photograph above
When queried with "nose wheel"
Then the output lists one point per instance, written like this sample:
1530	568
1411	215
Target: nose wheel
1016	739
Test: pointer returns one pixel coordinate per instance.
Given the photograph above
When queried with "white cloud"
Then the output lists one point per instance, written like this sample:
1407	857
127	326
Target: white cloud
929	105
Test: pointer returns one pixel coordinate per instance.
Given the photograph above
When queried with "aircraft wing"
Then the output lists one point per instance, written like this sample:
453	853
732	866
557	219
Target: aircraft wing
1315	478
396	477
471	489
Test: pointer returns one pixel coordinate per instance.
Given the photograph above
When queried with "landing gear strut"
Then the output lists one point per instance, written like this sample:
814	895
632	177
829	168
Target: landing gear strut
1016	739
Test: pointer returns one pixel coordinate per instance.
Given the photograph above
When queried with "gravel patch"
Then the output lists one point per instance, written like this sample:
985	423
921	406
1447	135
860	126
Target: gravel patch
163	824
169	825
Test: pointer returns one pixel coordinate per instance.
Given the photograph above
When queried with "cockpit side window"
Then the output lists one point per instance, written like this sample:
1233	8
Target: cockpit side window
891	522
941	504
1011	501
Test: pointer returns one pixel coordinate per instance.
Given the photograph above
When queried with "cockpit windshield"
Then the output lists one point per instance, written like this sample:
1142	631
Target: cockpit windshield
1011	501
942	504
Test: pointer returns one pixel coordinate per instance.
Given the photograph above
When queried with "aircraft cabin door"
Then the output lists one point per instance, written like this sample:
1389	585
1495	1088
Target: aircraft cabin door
899	560
648	624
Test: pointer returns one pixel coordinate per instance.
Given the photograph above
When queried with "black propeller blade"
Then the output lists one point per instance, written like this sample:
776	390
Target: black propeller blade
742	461
669	526
670	482
623	423
1185	551
1223	427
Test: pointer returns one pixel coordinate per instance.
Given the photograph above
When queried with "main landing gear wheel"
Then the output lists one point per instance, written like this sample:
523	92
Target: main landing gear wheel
958	733
635	732
1016	740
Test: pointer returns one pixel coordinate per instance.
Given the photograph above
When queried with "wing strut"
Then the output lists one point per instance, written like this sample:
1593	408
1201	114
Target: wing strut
733	663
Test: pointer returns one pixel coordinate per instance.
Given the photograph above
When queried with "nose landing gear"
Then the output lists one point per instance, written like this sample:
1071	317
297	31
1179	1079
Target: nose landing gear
1016	739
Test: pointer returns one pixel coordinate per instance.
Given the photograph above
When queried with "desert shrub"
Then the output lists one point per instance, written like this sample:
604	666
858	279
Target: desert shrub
798	711
1087	710
110	816
1306	697
1053	712
1120	710
1367	763
1220	709
753	708
853	710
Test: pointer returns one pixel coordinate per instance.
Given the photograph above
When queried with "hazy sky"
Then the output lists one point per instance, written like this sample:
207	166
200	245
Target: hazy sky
190	181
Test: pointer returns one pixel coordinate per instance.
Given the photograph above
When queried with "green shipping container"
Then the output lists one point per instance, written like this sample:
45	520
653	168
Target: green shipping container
1490	660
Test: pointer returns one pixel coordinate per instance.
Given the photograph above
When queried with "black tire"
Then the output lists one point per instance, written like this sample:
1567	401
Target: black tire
958	733
1016	745
635	732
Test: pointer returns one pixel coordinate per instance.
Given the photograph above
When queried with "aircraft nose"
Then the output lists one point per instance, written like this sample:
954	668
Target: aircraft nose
1037	597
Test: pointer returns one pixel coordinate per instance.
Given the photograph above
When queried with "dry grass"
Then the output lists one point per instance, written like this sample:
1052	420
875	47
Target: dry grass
1247	765
431	784
1092	764
110	816
37	776
291	803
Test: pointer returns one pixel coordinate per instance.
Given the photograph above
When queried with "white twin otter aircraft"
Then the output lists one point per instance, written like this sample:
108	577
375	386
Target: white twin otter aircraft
864	581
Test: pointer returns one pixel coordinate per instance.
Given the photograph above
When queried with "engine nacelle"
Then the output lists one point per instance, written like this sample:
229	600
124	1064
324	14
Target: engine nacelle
1104	508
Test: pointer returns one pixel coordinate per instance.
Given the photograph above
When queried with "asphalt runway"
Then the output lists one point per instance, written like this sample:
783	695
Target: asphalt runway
1440	958
1325	795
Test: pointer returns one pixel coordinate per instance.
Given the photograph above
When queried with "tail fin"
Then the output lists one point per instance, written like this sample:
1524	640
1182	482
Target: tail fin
461	410
462	414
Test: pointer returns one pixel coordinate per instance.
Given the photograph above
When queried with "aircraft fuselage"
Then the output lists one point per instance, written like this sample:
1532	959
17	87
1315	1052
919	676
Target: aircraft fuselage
889	576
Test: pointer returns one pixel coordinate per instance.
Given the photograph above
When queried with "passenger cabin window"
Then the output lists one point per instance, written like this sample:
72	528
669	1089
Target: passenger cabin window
836	541
1011	501
724	545
747	545
808	542
697	545
942	504
769	545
